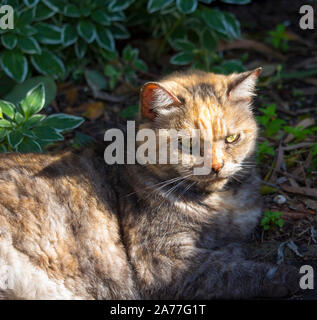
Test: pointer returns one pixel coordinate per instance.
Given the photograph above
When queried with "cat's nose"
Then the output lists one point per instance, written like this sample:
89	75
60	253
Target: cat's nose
216	166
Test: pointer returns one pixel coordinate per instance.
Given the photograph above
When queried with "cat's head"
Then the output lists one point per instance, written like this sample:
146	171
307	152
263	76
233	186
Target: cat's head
218	105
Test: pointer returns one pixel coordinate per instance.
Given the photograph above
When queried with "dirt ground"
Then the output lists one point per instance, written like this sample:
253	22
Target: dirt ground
299	209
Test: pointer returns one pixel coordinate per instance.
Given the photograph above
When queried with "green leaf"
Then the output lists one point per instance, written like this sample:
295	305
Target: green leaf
34	121
61	121
24	18
70	10
127	53
42	12
95	80
183	44
5	123
86	30
69	35
105	39
18	117
26	31
3	133
117	16
214	19
209	41
187	6
15	138
280	223
34	101
129	112
14	65
28	133
80	48
29	45
111	71
6	85
233	25
82	140
182	58
56	5
110	55
28	145
49	64
7	108
20	90
9	40
85	9
119	31
48	33
31	3
223	23
119	5
3	148
274	126
155	5
44	133
102	17
140	65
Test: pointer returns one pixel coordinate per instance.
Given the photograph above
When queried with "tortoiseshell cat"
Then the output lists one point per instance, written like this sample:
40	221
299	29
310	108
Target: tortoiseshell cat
75	228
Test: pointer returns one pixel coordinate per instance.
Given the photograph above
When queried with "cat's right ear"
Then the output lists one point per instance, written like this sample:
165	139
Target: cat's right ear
241	85
156	100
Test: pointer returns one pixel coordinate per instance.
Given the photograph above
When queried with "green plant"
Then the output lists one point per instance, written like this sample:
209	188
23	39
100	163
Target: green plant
279	38
124	69
130	112
272	219
194	37
299	132
263	150
59	38
271	123
49	34
24	129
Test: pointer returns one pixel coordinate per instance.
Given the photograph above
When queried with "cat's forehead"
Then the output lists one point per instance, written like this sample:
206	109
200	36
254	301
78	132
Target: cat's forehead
209	119
216	119
207	108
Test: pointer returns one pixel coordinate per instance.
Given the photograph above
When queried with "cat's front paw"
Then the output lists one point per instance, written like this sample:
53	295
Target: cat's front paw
280	281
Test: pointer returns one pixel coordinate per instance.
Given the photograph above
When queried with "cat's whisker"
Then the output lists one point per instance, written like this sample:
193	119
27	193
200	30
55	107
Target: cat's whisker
186	189
169	192
179	180
167	182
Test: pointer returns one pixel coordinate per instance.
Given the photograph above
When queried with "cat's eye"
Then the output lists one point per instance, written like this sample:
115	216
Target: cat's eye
232	138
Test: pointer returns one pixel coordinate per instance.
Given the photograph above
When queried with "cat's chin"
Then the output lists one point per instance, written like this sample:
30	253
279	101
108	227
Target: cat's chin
209	179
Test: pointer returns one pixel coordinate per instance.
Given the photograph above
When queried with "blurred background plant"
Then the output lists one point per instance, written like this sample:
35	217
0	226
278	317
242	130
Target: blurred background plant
56	37
279	38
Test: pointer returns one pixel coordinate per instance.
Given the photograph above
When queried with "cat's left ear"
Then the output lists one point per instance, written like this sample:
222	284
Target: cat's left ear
241	86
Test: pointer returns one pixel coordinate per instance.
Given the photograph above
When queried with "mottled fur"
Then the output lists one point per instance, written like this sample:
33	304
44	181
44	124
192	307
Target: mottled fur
74	228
